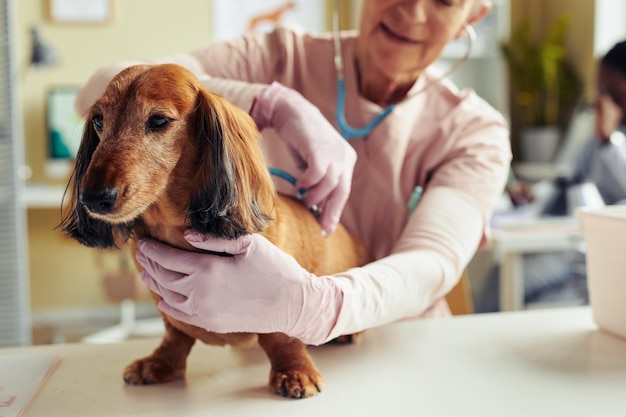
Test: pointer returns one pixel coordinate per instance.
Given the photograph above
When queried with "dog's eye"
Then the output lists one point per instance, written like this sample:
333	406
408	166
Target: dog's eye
156	123
98	122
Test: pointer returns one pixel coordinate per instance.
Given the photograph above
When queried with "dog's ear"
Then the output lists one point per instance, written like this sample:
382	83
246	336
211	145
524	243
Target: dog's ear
233	192
76	222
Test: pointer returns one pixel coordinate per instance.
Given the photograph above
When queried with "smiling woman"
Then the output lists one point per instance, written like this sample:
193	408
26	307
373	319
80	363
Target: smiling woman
348	131
398	40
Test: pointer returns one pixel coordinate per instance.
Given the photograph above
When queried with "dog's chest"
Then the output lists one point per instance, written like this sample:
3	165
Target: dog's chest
166	229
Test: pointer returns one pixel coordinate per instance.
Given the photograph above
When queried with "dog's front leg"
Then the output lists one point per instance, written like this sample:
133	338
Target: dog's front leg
167	363
293	373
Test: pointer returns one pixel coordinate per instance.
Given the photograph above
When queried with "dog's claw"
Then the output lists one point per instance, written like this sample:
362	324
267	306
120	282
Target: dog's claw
150	370
297	384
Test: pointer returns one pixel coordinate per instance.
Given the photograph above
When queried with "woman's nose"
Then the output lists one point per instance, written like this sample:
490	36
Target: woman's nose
413	11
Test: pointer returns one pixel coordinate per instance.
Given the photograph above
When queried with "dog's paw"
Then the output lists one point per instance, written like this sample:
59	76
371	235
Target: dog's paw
151	370
296	383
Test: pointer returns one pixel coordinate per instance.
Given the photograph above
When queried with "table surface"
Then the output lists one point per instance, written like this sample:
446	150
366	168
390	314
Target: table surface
531	363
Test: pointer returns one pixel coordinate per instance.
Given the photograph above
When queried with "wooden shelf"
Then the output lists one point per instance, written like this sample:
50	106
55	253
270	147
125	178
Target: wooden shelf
43	196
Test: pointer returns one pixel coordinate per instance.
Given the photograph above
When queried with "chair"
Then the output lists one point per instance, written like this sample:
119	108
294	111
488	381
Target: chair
460	297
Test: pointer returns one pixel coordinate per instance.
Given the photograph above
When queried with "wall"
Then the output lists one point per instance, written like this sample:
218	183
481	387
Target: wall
609	25
64	274
580	42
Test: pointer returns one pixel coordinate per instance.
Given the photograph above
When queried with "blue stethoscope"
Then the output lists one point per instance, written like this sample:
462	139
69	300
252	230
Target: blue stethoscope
349	132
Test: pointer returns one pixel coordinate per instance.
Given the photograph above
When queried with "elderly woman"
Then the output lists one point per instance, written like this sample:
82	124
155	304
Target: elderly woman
411	137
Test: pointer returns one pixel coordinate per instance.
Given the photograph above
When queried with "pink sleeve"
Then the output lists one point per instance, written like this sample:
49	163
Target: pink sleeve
440	238
478	166
237	69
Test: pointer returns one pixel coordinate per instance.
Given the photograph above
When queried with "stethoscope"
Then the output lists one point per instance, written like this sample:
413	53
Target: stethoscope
350	132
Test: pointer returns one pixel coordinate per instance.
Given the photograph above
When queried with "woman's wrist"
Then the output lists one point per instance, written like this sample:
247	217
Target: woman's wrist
320	311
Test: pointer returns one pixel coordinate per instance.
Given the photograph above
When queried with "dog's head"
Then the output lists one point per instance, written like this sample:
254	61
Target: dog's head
158	141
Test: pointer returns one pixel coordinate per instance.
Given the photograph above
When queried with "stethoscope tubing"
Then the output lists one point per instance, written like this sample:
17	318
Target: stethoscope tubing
348	131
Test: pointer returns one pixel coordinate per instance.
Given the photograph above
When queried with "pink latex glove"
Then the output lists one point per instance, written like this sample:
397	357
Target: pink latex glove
327	159
260	289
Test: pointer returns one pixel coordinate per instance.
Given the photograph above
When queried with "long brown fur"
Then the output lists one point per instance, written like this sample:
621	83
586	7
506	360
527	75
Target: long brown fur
161	154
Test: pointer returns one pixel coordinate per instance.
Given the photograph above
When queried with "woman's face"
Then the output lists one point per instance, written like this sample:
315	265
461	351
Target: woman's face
402	37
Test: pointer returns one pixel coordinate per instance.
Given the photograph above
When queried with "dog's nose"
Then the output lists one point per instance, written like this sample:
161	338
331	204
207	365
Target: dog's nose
99	201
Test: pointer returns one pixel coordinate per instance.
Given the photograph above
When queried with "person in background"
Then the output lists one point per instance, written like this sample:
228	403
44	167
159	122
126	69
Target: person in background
375	136
603	160
561	277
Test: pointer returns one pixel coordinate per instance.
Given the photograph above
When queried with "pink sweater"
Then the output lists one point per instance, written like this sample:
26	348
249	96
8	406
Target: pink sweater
450	142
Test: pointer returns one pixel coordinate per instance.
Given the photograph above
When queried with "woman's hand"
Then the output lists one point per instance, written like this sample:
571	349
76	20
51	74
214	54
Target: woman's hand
327	159
520	193
257	289
608	117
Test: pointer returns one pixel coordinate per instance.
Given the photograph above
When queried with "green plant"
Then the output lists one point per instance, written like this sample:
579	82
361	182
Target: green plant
545	86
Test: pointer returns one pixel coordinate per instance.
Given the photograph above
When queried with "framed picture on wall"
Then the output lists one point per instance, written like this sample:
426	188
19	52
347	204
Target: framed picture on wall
80	11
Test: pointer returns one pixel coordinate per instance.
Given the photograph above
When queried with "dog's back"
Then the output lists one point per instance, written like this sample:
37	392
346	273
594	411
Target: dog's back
297	232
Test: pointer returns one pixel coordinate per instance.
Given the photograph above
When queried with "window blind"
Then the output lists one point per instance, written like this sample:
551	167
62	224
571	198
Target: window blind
15	327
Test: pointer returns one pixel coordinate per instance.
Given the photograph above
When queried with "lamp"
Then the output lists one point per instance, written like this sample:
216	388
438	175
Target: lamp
42	55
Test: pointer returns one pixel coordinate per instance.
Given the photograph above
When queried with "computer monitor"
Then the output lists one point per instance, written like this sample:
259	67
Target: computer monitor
64	130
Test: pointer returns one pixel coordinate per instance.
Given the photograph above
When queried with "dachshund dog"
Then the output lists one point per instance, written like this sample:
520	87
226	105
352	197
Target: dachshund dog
161	154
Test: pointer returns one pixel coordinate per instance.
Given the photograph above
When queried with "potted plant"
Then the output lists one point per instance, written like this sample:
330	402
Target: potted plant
545	87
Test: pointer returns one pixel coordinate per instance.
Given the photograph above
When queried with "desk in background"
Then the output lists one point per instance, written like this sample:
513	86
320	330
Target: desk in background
533	363
512	239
